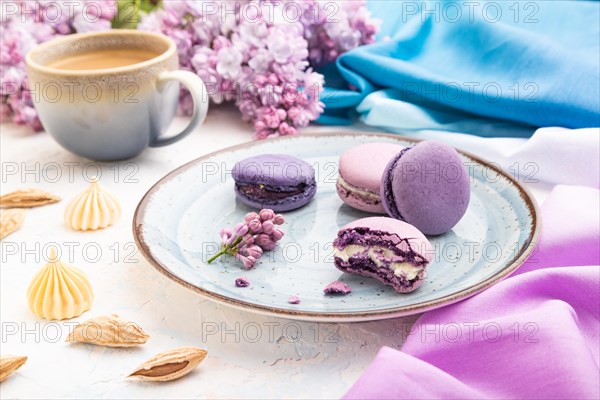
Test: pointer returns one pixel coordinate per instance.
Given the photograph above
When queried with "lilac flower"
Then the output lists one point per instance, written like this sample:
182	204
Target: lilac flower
240	229
294	49
279	46
265	241
285	129
277	234
249	239
261	61
226	234
255	226
247	261
266	55
255	33
254	251
251	216
278	219
328	37
229	62
266	214
268	226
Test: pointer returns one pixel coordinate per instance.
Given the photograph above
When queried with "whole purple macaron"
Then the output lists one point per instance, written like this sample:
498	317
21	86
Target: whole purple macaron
426	185
386	249
276	181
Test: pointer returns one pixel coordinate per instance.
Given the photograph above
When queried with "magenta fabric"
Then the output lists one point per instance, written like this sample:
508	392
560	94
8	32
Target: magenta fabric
534	335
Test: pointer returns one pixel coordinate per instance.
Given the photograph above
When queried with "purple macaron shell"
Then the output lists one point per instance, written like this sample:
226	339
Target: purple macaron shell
427	185
404	240
290	181
337	287
362	167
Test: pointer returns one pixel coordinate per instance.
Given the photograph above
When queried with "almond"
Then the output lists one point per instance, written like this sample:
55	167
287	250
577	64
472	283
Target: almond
170	365
27	198
109	331
9	364
10	221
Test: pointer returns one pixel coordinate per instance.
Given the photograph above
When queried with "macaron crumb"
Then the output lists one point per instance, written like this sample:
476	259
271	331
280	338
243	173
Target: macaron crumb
337	287
242	282
294	300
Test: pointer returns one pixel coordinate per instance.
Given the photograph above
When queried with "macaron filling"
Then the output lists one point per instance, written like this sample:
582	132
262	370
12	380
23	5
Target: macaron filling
381	255
347	190
262	192
388	193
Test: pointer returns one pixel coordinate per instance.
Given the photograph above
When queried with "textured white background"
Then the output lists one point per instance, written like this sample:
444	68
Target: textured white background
250	356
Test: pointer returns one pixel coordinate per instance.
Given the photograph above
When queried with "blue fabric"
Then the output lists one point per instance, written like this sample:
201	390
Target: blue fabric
488	68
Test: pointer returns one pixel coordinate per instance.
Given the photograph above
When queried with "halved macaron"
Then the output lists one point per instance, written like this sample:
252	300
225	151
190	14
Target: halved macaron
386	249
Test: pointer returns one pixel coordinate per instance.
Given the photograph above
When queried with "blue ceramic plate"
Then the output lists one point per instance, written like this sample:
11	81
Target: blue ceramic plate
177	223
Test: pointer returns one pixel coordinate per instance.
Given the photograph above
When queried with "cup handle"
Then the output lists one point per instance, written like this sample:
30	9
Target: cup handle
197	89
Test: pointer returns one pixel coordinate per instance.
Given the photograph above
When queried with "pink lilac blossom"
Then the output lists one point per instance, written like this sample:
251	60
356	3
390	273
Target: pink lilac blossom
247	241
261	55
333	27
25	24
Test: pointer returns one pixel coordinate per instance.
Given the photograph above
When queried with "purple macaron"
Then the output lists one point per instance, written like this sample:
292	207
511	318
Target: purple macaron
276	181
386	249
360	171
426	185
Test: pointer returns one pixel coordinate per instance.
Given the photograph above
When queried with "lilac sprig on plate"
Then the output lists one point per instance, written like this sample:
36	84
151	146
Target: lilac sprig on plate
249	239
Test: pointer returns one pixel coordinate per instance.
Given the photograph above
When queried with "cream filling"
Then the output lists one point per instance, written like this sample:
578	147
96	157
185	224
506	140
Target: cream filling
374	252
363	193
